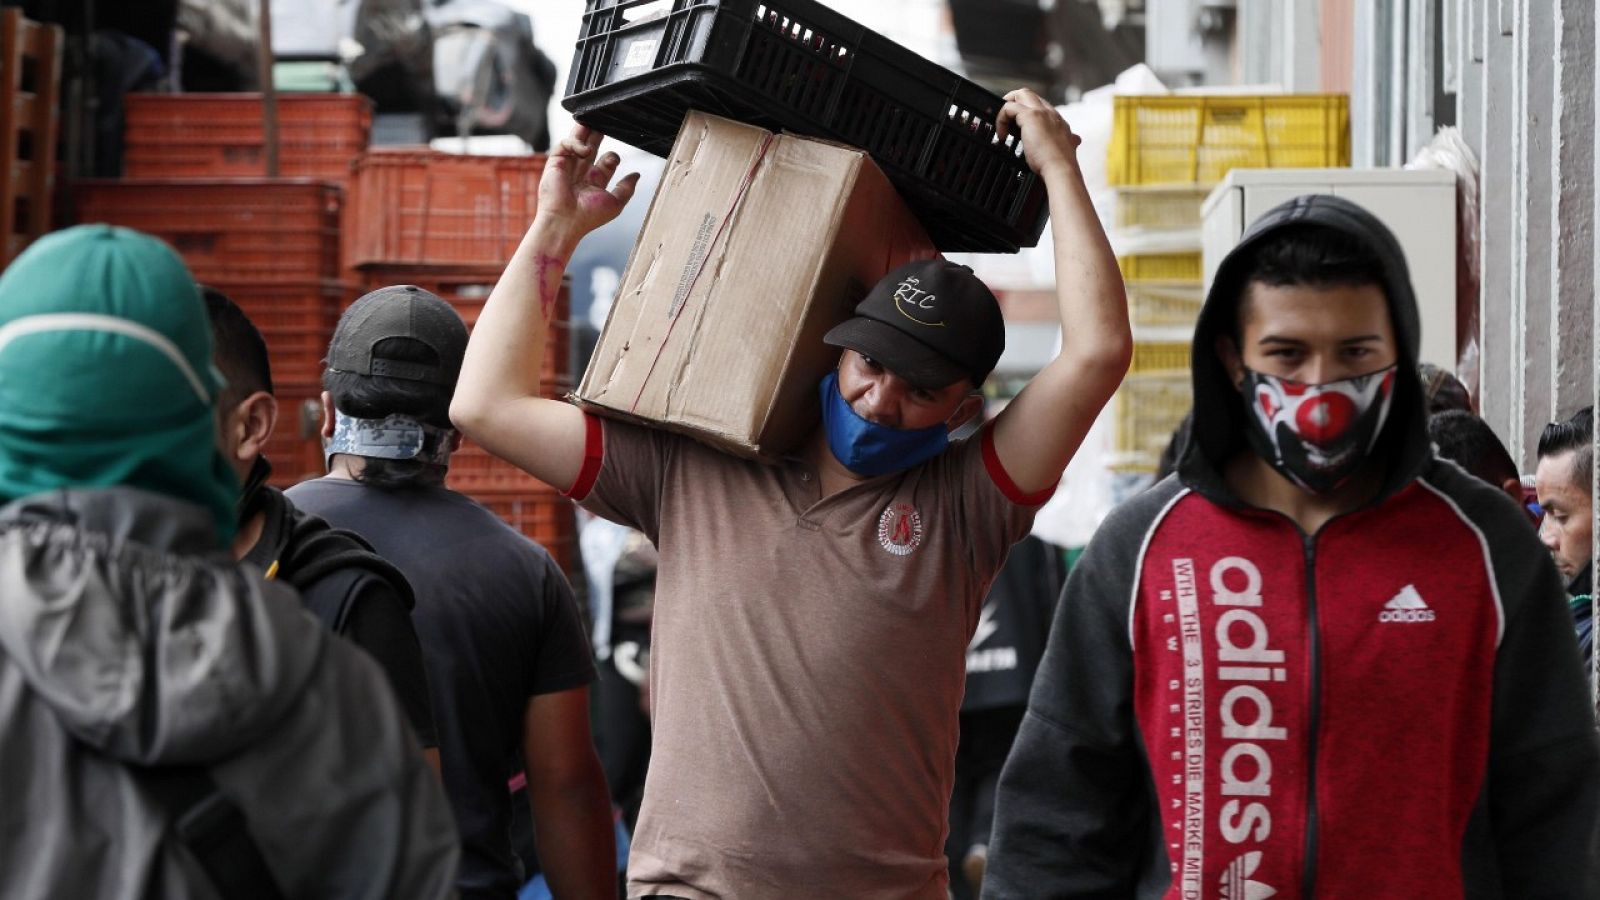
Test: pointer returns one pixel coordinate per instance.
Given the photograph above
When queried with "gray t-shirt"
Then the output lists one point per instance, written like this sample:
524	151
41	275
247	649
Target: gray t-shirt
498	624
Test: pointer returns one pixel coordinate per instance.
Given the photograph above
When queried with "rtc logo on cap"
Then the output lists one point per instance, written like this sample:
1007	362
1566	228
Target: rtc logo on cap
915	303
931	322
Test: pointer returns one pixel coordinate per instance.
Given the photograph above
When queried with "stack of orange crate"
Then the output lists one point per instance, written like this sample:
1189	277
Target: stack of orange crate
195	167
449	223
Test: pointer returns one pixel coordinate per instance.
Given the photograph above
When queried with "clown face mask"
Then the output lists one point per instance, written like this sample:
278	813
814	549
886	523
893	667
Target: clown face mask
1316	435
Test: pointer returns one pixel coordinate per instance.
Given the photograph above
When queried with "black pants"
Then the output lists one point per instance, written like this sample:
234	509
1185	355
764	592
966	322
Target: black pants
986	738
621	738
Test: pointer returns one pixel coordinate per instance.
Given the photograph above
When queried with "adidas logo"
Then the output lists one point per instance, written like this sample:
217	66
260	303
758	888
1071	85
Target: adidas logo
1407	606
1237	882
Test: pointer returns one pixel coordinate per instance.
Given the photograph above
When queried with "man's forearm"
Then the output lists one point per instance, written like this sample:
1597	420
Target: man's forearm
1089	291
507	349
576	837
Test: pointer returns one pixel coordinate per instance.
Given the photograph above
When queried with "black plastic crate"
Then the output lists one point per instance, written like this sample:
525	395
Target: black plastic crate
796	65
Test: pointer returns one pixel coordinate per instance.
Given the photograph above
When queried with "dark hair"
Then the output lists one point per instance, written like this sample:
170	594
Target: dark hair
1468	441
1307	255
1442	390
1576	433
238	349
377	396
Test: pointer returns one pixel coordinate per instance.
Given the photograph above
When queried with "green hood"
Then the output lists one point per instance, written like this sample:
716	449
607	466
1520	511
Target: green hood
105	373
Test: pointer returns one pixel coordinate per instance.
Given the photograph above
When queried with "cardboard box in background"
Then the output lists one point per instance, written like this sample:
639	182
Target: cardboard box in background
754	246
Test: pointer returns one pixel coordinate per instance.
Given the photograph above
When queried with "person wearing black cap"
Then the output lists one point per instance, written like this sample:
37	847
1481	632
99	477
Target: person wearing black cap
812	617
502	639
1316	661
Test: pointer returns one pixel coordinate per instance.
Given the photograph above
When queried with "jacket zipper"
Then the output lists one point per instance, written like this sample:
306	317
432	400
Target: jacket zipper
1309	871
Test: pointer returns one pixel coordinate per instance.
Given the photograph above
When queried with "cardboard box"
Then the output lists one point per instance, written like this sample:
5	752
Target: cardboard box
754	246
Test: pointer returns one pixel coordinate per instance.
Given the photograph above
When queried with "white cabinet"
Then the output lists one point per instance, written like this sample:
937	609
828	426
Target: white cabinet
1418	206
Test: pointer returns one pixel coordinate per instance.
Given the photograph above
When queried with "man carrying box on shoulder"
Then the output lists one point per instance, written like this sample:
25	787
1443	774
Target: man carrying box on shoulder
812	616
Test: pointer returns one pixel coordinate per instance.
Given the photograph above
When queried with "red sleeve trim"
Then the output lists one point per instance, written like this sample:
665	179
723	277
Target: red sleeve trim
594	453
1002	479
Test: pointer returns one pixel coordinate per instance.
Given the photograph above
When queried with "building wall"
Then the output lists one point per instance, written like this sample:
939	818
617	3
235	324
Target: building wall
1519	79
1527	104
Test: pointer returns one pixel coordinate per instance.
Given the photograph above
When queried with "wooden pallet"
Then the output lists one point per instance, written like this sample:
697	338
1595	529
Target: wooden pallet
30	89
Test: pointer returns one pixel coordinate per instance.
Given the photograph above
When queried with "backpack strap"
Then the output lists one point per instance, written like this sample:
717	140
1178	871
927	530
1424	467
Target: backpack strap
332	598
213	828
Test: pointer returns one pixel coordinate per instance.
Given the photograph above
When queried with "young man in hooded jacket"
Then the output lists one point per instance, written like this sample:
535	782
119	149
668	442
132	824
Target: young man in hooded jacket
811	618
1316	661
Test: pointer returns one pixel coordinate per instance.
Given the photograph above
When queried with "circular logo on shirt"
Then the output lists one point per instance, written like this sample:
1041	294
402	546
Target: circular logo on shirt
900	529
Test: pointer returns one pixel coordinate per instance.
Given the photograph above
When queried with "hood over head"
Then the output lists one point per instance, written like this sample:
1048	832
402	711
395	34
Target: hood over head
1219	415
105	373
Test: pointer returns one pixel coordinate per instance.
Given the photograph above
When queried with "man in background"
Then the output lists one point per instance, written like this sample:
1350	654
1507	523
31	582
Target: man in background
1442	391
1001	659
508	663
1470	443
1564	480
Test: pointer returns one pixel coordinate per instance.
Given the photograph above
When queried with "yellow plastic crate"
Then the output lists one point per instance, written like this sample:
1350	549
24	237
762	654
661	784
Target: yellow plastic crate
1159	305
1139	267
1159	207
1149	406
1163	357
1197	139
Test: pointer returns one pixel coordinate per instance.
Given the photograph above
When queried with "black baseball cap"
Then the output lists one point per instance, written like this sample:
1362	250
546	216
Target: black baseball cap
932	322
400	311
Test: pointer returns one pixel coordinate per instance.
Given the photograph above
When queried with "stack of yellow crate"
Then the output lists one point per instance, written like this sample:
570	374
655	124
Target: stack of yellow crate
1166	154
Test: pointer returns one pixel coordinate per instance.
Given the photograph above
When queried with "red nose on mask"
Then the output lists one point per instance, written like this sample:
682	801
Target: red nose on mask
1325	418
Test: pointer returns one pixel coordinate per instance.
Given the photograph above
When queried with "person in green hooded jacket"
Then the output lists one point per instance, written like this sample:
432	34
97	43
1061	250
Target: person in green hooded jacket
174	725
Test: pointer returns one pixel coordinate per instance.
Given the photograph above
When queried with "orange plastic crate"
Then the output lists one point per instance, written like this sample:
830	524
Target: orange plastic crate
229	232
293	459
411	207
467	289
297	352
296	319
221	135
290	305
461	285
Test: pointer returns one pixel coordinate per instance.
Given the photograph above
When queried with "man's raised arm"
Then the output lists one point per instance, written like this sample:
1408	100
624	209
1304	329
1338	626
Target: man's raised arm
1037	433
497	400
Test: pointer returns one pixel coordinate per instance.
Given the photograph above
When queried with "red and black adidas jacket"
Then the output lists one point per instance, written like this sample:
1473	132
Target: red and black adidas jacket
1229	708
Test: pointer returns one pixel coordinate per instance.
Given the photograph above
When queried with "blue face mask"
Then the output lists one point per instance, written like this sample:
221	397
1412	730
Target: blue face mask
869	449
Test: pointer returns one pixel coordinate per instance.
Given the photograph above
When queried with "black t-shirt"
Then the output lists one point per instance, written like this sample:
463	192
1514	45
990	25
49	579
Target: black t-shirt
353	591
1009	641
498	625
